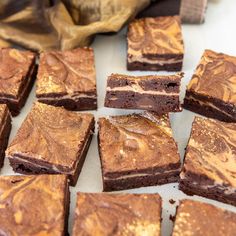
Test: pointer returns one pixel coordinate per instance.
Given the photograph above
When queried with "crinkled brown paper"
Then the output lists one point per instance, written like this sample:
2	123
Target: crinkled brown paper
62	24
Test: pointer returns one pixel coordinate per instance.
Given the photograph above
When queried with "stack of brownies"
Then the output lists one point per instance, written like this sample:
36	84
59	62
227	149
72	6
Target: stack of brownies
135	150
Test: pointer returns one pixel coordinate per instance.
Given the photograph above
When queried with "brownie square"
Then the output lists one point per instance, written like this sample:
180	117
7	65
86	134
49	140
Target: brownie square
198	218
155	44
117	214
51	140
34	205
5	128
67	79
210	160
211	91
153	92
17	73
137	150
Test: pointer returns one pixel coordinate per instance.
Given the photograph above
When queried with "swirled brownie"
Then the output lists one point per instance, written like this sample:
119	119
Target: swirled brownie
51	140
34	205
137	150
153	92
5	128
17	74
212	89
67	79
195	218
155	44
210	161
117	214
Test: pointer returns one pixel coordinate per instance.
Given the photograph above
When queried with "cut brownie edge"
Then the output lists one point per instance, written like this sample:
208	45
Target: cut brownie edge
142	66
210	107
213	193
81	104
143	181
4	138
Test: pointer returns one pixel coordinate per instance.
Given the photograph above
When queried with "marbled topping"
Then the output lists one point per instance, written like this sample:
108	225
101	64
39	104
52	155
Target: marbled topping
211	151
215	77
51	134
66	73
197	218
4	113
117	214
32	205
136	142
155	36
14	66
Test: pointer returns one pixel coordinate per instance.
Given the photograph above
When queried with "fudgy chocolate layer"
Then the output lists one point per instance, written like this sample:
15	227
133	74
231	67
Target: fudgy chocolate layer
154	67
143	181
80	104
161	104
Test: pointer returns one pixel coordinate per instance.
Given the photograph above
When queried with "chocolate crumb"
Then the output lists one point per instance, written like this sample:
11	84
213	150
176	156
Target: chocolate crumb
171	201
172	218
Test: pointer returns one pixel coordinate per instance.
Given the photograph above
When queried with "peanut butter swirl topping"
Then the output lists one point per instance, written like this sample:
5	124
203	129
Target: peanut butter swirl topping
215	77
120	214
52	135
66	73
14	67
212	151
136	142
32	205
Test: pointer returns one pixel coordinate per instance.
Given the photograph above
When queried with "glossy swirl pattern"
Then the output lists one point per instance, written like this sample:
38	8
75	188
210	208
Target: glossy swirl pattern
197	218
66	73
212	151
155	36
215	77
117	214
32	205
136	142
51	134
14	66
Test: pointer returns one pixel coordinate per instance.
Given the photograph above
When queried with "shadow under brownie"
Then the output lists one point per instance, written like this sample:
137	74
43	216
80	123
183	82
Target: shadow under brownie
210	161
137	150
198	218
117	214
155	44
34	205
51	140
17	74
67	79
212	89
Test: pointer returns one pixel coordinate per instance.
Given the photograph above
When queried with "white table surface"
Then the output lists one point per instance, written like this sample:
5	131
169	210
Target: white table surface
217	33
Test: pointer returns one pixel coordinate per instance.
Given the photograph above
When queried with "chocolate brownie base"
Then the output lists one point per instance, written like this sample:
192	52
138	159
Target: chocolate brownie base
161	104
212	193
218	109
29	168
137	182
16	105
81	104
4	139
142	66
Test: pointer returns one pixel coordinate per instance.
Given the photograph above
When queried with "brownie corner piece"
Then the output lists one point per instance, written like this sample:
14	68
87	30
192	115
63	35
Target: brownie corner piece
34	205
51	140
145	52
137	150
156	93
17	74
68	79
100	214
206	220
5	129
210	160
211	91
